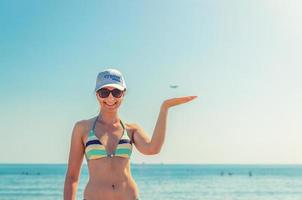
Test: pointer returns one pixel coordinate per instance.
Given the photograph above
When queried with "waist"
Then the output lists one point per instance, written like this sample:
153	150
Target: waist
111	189
102	178
108	182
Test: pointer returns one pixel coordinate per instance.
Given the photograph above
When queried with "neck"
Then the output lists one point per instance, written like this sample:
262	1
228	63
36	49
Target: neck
109	117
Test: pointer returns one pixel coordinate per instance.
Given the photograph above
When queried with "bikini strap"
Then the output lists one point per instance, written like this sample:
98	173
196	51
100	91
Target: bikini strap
131	139
94	123
122	124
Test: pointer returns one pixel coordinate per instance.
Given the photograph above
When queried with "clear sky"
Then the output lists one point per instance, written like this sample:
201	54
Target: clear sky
242	59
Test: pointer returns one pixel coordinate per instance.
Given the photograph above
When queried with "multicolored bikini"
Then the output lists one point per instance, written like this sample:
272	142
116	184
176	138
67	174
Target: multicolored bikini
94	149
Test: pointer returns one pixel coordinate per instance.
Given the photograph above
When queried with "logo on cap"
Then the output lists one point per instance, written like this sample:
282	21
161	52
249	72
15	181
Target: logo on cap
112	77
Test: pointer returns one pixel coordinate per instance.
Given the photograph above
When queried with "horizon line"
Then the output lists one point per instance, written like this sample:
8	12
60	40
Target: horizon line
161	163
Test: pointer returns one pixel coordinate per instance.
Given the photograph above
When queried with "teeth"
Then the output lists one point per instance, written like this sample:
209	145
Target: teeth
109	104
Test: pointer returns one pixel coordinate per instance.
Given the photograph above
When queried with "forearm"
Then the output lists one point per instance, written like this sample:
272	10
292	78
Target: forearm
70	188
159	132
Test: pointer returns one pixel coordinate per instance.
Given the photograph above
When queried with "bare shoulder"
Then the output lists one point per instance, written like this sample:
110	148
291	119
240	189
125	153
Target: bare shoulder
83	126
132	127
139	137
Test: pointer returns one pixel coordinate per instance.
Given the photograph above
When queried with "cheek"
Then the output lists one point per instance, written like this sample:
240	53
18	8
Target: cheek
101	101
120	101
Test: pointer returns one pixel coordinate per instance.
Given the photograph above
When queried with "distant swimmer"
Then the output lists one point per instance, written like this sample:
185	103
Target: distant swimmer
250	173
28	173
230	173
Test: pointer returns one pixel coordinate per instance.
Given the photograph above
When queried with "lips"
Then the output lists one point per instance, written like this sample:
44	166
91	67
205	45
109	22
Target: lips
110	104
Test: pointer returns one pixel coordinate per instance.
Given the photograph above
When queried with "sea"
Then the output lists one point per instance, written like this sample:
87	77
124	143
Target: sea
163	181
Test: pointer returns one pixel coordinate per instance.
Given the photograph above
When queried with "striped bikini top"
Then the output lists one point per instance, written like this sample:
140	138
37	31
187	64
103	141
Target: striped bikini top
94	149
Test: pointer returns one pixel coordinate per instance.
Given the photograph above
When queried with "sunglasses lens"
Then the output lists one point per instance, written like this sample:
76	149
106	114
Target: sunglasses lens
117	93
104	93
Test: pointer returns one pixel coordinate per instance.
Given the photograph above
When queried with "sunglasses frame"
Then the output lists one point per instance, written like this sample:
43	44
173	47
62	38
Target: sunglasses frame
110	91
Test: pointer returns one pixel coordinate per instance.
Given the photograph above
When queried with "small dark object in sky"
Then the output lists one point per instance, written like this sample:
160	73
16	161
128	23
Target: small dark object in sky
173	86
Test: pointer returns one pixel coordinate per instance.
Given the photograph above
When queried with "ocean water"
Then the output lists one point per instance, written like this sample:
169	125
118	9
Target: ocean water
163	182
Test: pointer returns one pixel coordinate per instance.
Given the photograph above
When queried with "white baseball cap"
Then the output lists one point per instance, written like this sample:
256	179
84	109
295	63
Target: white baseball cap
110	77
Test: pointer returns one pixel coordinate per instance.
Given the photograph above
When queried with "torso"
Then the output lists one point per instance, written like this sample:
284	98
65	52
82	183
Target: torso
109	177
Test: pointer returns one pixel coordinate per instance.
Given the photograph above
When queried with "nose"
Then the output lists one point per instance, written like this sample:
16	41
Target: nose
110	97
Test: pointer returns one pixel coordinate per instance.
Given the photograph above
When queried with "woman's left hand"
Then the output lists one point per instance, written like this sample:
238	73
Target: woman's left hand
176	101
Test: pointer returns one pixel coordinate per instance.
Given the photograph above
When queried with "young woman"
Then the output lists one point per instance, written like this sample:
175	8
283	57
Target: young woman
106	141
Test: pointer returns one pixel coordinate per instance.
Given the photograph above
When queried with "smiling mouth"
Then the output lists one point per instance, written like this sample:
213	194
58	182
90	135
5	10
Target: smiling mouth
110	104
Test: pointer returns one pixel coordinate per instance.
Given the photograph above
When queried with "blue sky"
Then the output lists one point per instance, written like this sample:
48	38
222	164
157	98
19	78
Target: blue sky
242	58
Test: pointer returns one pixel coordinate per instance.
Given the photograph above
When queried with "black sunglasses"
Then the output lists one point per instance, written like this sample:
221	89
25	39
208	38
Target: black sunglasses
104	92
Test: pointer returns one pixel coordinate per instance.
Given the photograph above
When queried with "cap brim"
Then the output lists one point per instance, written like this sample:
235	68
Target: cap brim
111	85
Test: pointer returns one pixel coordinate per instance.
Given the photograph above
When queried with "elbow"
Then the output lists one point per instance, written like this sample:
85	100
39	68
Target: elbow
154	151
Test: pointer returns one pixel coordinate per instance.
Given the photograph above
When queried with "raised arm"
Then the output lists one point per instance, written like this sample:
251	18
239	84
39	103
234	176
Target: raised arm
142	141
76	155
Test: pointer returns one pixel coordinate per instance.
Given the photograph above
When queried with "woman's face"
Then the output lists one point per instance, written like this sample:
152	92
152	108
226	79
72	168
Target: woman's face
110	103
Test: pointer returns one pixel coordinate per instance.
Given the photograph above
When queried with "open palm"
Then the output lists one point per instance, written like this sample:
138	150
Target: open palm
176	101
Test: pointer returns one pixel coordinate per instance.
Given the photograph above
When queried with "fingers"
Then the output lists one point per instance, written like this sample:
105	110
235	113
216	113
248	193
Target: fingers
182	100
187	98
192	97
